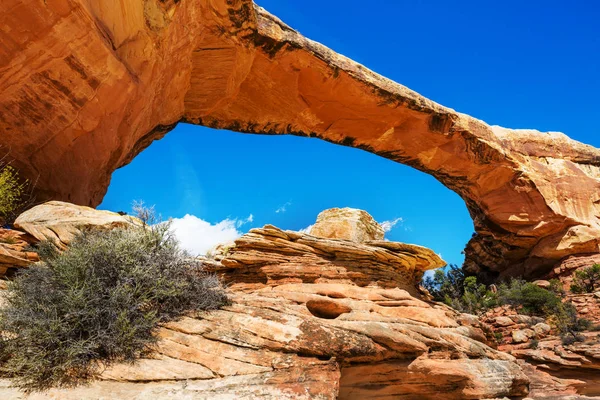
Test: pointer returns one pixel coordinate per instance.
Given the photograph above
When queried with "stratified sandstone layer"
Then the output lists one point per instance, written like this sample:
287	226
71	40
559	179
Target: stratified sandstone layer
87	84
315	318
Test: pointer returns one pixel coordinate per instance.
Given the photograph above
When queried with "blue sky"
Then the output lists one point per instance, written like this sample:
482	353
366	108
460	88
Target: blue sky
517	64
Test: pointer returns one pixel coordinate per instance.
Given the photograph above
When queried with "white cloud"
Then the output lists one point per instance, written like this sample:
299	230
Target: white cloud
389	225
241	222
283	208
429	273
307	229
198	236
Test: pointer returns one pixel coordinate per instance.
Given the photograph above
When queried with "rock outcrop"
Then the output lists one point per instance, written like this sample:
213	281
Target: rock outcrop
55	221
347	223
87	84
60	222
14	250
556	369
315	318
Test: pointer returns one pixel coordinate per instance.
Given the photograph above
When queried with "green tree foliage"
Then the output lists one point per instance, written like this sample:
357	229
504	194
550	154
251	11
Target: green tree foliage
530	299
97	303
461	292
586	280
12	193
465	294
445	283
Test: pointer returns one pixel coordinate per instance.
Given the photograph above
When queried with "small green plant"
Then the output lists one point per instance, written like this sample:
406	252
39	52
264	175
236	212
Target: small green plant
534	344
586	280
98	302
8	240
499	337
12	193
556	286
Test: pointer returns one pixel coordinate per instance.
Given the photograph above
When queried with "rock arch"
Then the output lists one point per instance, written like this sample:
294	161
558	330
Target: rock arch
87	84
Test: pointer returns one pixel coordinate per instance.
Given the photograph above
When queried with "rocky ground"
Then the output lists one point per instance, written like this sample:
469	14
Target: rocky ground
324	318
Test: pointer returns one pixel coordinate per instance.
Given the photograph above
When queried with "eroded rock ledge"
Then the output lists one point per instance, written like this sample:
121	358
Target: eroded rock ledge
327	318
86	85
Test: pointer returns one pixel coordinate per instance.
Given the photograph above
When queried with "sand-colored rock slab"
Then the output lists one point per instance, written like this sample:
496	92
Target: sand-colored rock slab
348	224
60	222
272	256
86	85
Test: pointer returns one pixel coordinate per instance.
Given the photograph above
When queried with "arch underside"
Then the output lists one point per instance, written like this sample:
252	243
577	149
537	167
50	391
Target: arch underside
86	85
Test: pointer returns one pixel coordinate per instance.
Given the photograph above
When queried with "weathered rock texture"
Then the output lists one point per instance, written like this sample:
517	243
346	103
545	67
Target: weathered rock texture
315	318
347	223
554	368
60	222
87	84
56	221
14	252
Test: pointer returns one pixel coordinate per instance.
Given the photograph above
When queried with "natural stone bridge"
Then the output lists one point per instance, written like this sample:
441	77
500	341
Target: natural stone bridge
87	84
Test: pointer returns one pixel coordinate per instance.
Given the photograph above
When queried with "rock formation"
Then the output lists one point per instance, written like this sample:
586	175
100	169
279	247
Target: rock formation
55	221
554	368
87	84
14	252
347	223
60	222
312	318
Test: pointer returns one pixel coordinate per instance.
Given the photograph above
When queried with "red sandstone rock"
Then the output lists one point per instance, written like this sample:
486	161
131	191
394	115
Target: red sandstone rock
87	84
315	318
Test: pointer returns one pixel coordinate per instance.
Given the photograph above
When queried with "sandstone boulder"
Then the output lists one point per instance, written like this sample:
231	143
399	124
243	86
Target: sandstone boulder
347	223
60	222
14	252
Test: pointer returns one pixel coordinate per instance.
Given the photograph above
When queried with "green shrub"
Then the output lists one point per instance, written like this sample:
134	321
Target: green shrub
476	298
97	303
531	299
528	298
556	286
445	283
12	193
586	280
458	291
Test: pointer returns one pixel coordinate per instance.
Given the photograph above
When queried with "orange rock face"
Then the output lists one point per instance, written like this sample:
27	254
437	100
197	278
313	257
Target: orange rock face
86	85
354	327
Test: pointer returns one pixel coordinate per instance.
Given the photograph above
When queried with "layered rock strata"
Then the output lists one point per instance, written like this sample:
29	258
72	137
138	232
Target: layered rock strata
315	318
556	369
87	84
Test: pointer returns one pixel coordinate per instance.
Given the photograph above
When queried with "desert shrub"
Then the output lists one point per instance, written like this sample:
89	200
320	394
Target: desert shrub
476	298
531	299
458	291
97	303
499	337
557	287
445	283
12	193
528	298
586	280
535	343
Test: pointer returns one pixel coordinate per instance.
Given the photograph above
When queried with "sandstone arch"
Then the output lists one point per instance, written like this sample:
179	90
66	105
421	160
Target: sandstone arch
87	84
